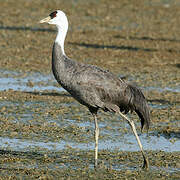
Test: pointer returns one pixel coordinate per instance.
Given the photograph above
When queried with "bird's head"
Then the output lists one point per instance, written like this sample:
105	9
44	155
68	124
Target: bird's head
57	18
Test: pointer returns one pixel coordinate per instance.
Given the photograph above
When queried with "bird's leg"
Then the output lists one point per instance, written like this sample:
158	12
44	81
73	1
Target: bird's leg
131	123
96	132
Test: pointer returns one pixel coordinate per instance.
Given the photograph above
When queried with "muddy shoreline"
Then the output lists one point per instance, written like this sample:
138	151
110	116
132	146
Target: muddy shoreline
45	133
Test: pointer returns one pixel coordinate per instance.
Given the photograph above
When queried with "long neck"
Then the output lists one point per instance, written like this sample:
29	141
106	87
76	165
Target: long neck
62	66
61	35
58	63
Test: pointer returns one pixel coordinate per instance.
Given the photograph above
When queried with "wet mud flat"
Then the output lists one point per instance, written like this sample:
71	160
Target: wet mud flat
45	133
48	135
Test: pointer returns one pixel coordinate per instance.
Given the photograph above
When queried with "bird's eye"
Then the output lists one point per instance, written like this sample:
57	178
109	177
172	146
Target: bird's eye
53	14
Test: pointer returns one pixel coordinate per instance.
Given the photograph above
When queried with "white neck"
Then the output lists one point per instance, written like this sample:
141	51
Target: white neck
61	35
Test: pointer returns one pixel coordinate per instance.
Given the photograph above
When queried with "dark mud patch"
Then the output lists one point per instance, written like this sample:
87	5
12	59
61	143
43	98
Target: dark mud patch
170	132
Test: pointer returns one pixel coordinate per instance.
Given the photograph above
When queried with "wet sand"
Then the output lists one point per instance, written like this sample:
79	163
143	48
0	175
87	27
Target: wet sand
45	133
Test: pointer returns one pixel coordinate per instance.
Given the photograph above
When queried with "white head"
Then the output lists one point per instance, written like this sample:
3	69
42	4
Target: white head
59	19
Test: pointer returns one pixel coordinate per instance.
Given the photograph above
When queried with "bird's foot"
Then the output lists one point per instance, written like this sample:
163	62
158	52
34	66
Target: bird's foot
146	163
95	164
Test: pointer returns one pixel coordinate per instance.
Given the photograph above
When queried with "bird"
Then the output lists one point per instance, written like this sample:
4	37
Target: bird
95	87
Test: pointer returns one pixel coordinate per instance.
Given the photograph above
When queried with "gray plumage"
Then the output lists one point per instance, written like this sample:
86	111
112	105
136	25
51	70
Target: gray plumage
94	87
97	88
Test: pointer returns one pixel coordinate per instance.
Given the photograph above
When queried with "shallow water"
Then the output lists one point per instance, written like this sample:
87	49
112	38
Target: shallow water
24	113
159	89
125	143
115	134
27	82
36	81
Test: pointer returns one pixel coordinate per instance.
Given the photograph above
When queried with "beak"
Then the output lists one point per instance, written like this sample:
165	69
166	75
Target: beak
45	20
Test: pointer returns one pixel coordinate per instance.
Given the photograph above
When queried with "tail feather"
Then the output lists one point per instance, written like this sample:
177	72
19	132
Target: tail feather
140	106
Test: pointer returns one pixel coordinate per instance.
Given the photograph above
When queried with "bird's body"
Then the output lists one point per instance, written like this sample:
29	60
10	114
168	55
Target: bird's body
94	87
97	88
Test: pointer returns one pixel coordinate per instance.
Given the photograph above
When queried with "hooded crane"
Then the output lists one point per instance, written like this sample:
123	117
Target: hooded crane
94	87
